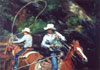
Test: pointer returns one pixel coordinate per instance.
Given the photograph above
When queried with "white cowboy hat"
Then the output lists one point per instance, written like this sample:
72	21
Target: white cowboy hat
50	26
26	30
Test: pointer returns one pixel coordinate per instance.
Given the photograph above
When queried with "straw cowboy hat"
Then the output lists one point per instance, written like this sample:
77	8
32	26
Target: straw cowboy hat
50	26
26	30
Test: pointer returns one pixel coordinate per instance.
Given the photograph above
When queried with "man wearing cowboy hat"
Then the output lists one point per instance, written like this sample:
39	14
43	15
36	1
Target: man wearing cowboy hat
27	38
49	41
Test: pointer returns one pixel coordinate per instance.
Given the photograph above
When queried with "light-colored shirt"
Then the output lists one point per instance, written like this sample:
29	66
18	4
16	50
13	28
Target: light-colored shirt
27	38
50	38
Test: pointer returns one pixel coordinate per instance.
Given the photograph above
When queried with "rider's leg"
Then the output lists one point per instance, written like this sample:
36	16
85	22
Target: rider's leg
54	61
16	58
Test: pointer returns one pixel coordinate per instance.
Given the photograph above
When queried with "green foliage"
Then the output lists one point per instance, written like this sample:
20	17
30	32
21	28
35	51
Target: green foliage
51	7
72	21
36	27
52	4
5	32
11	17
25	24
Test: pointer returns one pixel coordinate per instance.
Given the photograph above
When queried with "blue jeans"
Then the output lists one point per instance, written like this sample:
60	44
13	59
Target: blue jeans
54	61
16	58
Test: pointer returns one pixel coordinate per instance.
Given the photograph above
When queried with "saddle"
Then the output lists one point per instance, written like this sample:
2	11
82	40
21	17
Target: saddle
27	53
27	50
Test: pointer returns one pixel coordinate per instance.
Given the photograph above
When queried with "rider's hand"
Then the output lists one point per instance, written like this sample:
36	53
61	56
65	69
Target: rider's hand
16	38
13	42
51	45
57	36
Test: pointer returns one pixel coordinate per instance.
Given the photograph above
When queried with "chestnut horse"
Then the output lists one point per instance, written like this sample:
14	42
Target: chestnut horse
26	61
67	63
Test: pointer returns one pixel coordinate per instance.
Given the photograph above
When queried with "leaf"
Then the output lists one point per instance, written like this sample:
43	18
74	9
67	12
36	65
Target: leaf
5	32
36	27
72	20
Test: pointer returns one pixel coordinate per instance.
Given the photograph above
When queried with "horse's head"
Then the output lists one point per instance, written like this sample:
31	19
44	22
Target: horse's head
79	51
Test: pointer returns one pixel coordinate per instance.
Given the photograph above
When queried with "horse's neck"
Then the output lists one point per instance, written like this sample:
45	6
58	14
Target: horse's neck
16	50
69	54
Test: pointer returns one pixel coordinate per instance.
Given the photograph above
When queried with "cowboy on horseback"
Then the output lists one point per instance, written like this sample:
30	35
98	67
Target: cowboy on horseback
27	39
52	40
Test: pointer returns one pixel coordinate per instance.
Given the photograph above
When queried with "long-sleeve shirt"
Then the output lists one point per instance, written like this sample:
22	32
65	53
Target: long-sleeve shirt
50	38
27	39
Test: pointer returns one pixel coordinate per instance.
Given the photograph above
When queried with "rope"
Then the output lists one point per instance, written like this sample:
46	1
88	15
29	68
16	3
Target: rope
12	34
38	61
23	8
34	62
39	13
30	27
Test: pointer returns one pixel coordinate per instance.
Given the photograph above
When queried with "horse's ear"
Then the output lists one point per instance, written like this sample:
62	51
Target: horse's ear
77	42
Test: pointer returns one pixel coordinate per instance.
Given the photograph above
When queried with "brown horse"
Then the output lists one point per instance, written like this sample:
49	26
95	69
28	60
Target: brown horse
67	63
27	60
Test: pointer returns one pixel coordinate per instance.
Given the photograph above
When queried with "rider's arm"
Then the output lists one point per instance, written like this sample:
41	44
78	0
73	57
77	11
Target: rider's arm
43	44
61	36
20	40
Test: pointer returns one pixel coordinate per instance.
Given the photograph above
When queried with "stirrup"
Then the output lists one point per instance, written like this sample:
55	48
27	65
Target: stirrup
15	68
